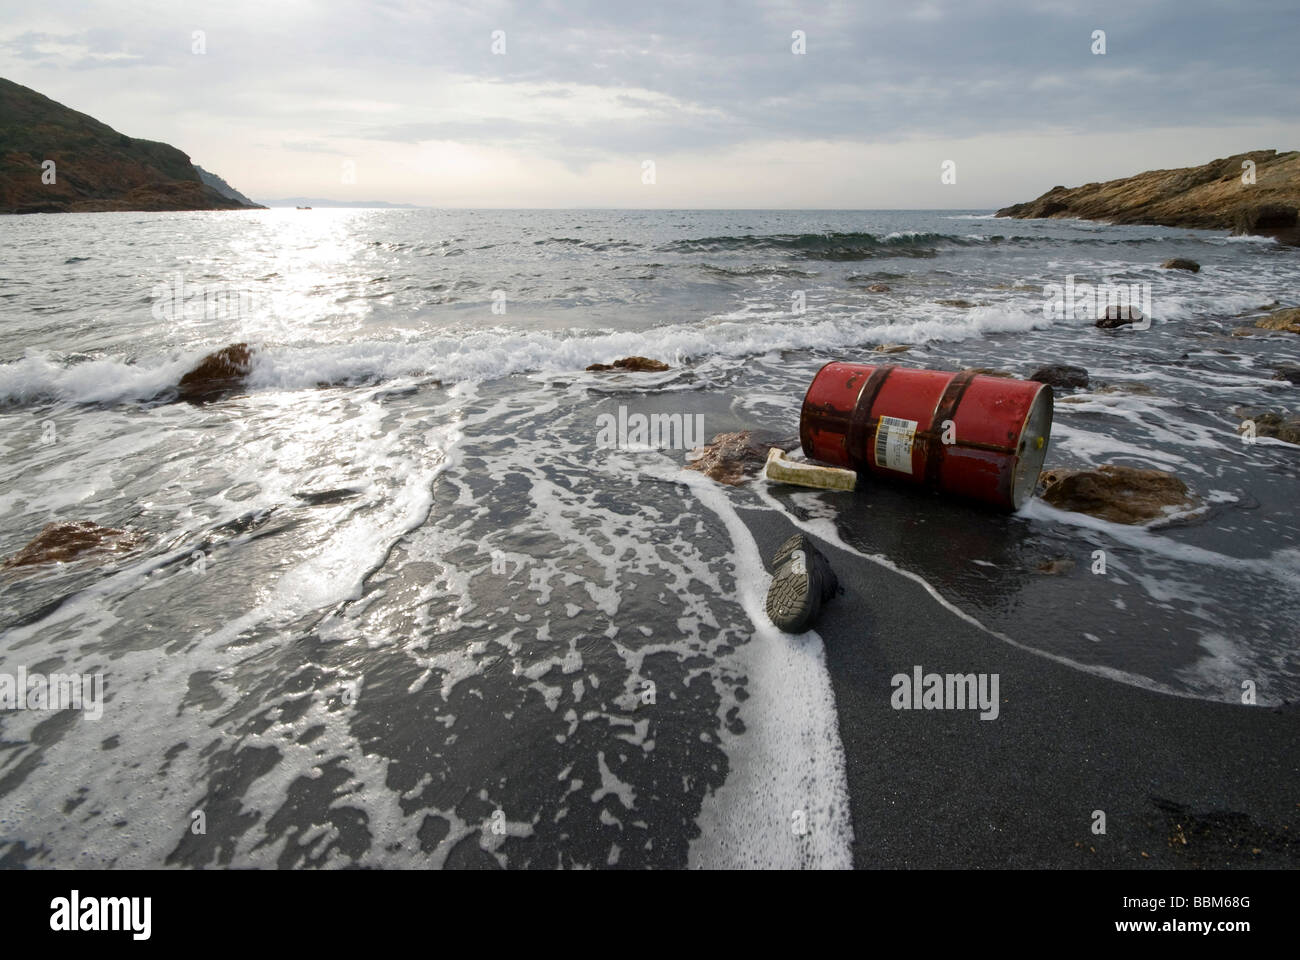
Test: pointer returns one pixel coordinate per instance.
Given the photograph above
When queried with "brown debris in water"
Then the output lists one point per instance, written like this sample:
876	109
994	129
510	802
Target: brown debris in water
62	542
632	365
732	458
1116	493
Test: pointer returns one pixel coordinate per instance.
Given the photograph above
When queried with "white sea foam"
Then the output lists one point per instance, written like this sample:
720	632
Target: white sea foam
788	766
146	687
492	353
1282	565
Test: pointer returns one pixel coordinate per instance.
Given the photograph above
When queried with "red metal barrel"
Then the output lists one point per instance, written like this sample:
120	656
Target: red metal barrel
961	433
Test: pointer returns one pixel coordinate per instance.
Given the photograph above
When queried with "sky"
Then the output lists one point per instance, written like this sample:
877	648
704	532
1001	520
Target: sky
921	104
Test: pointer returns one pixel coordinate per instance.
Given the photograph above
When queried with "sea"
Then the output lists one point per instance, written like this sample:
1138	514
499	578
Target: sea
404	599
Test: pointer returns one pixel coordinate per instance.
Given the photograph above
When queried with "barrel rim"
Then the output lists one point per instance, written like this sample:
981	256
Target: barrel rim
1024	477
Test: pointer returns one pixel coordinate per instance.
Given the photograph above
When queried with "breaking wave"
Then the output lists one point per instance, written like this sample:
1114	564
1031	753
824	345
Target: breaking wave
490	354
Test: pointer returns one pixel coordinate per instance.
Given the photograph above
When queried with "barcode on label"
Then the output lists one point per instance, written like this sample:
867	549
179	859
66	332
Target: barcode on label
894	443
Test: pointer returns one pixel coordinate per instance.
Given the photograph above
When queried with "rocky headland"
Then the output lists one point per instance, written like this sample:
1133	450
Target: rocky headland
1248	193
56	160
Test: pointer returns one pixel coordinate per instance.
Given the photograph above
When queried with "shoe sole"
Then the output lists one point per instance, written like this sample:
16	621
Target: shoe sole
792	603
825	575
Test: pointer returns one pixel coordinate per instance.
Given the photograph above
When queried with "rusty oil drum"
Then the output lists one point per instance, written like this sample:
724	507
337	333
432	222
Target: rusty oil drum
890	421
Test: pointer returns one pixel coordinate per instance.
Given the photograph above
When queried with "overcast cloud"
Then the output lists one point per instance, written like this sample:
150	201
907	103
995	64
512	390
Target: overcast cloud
412	95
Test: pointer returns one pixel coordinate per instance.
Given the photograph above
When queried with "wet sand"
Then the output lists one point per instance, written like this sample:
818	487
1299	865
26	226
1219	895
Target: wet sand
1182	782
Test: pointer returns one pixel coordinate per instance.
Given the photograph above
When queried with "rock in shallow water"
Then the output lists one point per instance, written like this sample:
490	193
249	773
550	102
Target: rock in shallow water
1288	372
1116	493
1288	320
1056	567
632	365
1181	263
1119	316
61	542
1061	375
1268	424
1140	389
217	374
733	458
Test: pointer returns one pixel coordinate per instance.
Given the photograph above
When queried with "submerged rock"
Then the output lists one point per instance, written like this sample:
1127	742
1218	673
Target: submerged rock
1287	371
632	365
217	374
893	348
878	288
1181	263
963	304
988	372
1116	493
1269	424
1061	375
1288	319
1056	567
316	498
61	542
1118	316
733	458
1139	388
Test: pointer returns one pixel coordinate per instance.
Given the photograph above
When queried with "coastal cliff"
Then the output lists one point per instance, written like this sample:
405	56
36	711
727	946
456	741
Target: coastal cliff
1218	195
56	160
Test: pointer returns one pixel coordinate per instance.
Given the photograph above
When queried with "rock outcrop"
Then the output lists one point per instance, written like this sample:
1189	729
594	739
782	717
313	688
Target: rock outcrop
1118	317
217	374
226	190
632	365
1055	567
1116	493
56	160
61	542
1266	423
1212	196
733	458
1061	375
1288	320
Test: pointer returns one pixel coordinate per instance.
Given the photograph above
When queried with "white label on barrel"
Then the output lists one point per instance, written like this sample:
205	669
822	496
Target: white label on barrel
894	443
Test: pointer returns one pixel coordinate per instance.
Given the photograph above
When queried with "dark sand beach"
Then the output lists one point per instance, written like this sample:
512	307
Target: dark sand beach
1183	782
384	591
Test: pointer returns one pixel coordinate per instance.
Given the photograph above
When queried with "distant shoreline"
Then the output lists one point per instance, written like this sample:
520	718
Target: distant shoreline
1255	193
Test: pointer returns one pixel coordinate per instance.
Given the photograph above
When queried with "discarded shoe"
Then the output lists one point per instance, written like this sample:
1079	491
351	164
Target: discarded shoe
803	582
830	583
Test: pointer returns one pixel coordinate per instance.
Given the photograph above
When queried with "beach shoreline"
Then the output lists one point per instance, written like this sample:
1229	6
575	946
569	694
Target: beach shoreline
1183	782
